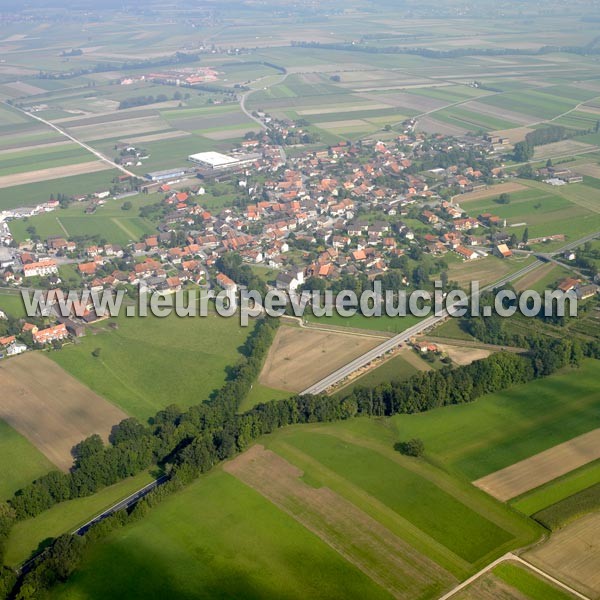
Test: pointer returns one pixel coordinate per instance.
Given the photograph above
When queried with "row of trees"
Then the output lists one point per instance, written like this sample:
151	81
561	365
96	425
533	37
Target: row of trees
523	151
187	443
455	53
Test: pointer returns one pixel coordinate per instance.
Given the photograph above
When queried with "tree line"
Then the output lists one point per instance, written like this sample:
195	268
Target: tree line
188	443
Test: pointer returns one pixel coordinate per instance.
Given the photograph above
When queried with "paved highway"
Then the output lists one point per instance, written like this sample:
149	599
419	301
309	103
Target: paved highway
123	504
424	325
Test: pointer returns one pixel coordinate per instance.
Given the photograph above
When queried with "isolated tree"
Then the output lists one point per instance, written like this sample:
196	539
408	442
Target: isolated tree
413	447
526	235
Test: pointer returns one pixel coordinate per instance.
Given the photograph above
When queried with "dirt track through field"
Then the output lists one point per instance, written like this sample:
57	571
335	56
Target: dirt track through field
50	408
532	472
572	555
93	166
300	357
360	539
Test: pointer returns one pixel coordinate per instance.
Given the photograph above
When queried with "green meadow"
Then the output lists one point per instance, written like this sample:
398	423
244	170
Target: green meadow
20	462
110	222
528	583
217	539
558	489
149	363
29	194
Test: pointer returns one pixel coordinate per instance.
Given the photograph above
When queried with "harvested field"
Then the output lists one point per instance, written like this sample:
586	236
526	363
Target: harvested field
533	277
563	148
541	468
431	125
517	134
573	555
121	128
494	111
228	134
493	190
53	173
25	88
484	270
346	109
50	408
589	109
590	169
156	137
360	539
348	123
300	357
463	355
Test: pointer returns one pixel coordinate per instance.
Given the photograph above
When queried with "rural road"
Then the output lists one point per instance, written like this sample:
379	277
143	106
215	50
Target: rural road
511	557
341	374
122	504
125	503
62	132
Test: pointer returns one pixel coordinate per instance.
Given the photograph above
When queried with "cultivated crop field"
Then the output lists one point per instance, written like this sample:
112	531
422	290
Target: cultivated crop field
573	555
300	357
382	556
559	489
541	468
513	581
571	210
28	194
50	408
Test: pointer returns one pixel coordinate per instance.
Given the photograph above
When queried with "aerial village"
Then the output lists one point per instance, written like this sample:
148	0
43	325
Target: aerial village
358	210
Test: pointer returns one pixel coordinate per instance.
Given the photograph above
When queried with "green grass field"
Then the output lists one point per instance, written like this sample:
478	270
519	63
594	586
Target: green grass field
358	321
570	508
12	303
109	222
558	489
500	429
20	462
528	583
261	393
43	158
406	489
217	539
149	363
396	368
35	193
571	210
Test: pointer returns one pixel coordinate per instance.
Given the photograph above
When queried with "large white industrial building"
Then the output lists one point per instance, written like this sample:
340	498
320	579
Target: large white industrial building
216	161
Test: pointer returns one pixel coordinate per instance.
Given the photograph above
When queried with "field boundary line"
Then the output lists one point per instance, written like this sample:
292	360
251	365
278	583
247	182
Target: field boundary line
550	578
60	224
508	557
85	146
